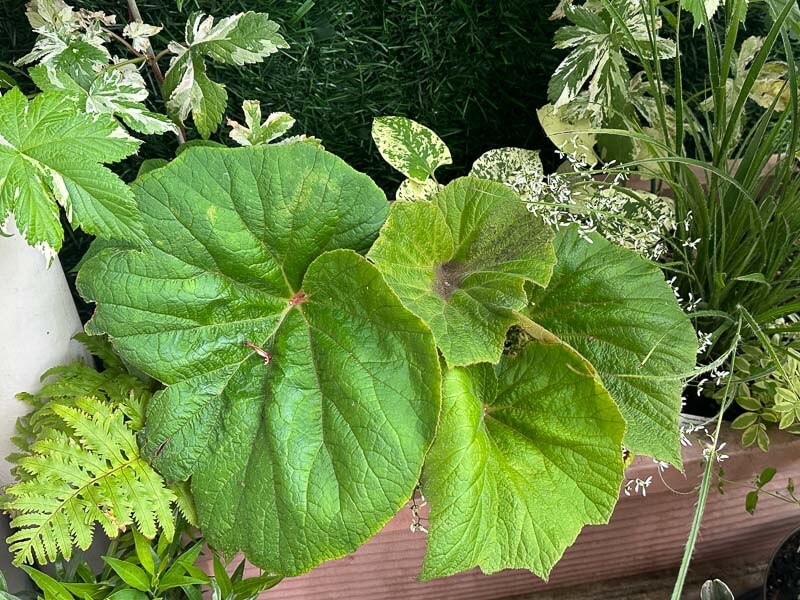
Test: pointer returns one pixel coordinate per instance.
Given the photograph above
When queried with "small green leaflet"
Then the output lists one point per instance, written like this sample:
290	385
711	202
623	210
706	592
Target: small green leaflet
461	261
132	575
409	147
702	10
116	91
254	132
241	39
527	453
301	396
52	153
615	308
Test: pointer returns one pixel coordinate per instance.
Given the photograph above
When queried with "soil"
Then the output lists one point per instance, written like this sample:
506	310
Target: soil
702	406
783	578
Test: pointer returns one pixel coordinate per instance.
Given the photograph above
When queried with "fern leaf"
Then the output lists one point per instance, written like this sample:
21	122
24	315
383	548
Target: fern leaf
86	471
185	503
66	385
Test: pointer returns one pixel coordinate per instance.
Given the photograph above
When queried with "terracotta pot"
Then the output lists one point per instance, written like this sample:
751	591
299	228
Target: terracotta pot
646	534
39	319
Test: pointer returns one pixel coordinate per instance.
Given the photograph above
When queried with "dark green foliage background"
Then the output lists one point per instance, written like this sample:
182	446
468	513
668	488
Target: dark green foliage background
474	71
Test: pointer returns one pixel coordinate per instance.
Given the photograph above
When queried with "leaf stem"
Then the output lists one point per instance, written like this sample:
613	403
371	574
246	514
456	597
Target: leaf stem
152	60
132	61
124	42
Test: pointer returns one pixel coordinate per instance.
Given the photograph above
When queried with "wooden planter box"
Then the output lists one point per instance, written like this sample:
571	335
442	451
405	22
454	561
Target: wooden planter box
646	534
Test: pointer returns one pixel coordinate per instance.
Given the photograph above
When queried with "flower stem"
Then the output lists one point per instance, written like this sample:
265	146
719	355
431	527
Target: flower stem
706	484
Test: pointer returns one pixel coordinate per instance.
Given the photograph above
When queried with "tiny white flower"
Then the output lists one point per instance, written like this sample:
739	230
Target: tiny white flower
662	465
692	243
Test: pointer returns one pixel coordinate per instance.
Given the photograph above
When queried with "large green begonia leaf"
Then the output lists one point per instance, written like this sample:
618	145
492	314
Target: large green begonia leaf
460	262
527	453
300	459
615	308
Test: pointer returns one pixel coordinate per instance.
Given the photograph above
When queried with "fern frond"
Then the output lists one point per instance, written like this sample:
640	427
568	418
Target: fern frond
85	471
65	385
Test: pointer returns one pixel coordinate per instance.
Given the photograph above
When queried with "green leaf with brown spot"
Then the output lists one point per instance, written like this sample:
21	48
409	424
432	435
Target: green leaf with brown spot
460	263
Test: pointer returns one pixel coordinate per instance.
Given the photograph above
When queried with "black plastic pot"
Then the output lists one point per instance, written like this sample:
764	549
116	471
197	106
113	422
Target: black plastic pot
783	576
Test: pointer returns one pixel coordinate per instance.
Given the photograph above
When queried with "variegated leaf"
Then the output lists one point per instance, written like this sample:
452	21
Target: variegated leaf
254	132
241	39
413	149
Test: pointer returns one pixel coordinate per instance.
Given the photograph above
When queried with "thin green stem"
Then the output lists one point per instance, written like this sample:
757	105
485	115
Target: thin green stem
761	490
124	63
705	486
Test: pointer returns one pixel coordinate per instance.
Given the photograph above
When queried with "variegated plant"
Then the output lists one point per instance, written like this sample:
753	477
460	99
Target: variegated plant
633	219
595	87
241	39
255	132
55	147
414	150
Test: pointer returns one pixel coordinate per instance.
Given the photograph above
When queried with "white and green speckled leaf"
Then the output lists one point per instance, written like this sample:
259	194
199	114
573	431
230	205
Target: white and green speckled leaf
409	147
527	454
517	168
412	190
616	309
303	458
460	263
51	154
